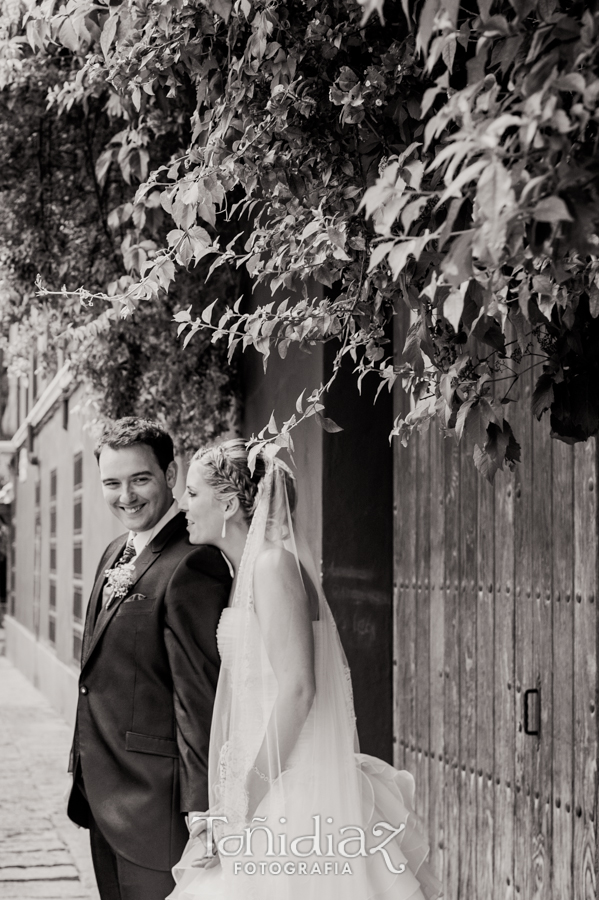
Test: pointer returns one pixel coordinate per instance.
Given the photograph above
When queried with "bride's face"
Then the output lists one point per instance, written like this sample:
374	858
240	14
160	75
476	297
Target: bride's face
205	512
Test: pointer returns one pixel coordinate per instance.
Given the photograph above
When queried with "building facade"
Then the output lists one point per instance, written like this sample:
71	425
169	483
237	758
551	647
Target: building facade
59	525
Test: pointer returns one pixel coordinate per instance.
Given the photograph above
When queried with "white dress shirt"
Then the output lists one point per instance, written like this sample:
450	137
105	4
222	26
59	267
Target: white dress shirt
142	538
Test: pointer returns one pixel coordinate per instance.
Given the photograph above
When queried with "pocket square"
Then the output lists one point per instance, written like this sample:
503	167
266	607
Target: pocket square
137	605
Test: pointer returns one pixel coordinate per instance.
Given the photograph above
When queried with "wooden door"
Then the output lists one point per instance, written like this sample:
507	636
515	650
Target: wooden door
495	591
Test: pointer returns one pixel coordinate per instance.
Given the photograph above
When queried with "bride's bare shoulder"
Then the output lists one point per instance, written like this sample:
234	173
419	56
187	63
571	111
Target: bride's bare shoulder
274	560
277	571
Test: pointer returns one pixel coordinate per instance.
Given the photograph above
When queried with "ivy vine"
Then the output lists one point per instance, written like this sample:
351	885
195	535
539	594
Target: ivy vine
356	157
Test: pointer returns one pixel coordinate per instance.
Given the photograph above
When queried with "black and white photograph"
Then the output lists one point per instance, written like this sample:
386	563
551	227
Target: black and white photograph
299	404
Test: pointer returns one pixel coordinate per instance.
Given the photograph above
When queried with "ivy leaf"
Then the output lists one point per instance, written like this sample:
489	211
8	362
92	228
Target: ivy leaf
463	413
165	271
454	208
473	302
253	455
398	256
494	189
513	451
457	265
494	198
103	164
477	422
183	315
523	332
221	8
469	174
68	36
412	211
453	306
327	424
207	313
36	33
370	7
552	209
411	351
488	330
542	397
108	34
491	457
379	253
426	24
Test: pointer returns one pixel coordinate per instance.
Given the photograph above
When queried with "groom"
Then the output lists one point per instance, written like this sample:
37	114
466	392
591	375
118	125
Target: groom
148	673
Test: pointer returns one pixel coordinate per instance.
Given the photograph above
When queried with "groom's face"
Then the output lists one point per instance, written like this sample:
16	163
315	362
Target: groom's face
135	488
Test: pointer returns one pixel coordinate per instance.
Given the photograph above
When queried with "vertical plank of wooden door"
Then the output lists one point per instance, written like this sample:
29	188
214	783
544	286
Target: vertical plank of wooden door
453	845
399	576
404	552
422	614
503	863
563	669
585	668
405	555
437	651
409	546
542	769
469	479
525	537
485	744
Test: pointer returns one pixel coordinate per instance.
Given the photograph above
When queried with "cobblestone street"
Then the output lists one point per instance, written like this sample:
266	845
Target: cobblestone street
42	854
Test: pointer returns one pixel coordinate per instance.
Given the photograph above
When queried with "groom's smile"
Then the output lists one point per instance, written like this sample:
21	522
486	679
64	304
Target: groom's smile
132	510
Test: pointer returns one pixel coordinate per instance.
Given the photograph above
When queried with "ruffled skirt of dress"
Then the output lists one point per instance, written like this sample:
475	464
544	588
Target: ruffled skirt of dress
387	797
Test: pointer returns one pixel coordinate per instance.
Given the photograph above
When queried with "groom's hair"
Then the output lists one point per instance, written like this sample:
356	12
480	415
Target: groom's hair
130	430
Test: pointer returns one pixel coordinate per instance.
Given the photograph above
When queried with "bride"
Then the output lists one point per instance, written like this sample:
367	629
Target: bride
296	812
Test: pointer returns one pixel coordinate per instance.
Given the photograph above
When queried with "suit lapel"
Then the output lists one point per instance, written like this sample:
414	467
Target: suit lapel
146	558
96	598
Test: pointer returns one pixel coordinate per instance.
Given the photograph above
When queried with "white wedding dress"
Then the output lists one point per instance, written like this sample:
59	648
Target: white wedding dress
349	807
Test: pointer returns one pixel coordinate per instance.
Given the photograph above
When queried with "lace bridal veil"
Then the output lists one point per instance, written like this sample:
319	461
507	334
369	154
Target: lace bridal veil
324	790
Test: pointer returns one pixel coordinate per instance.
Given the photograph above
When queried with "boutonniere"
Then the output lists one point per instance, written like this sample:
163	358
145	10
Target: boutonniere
119	581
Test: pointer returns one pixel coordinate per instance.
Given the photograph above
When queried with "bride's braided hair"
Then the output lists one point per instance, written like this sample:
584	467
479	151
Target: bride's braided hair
228	474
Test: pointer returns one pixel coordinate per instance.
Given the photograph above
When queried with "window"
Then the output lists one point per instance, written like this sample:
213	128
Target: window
37	558
52	576
77	516
78	472
77	561
34	379
77	604
77	596
13	563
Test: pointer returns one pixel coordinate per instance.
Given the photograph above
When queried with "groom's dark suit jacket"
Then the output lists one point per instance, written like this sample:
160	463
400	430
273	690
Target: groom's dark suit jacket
148	677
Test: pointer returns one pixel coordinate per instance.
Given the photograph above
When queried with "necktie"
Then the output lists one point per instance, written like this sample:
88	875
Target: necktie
128	554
